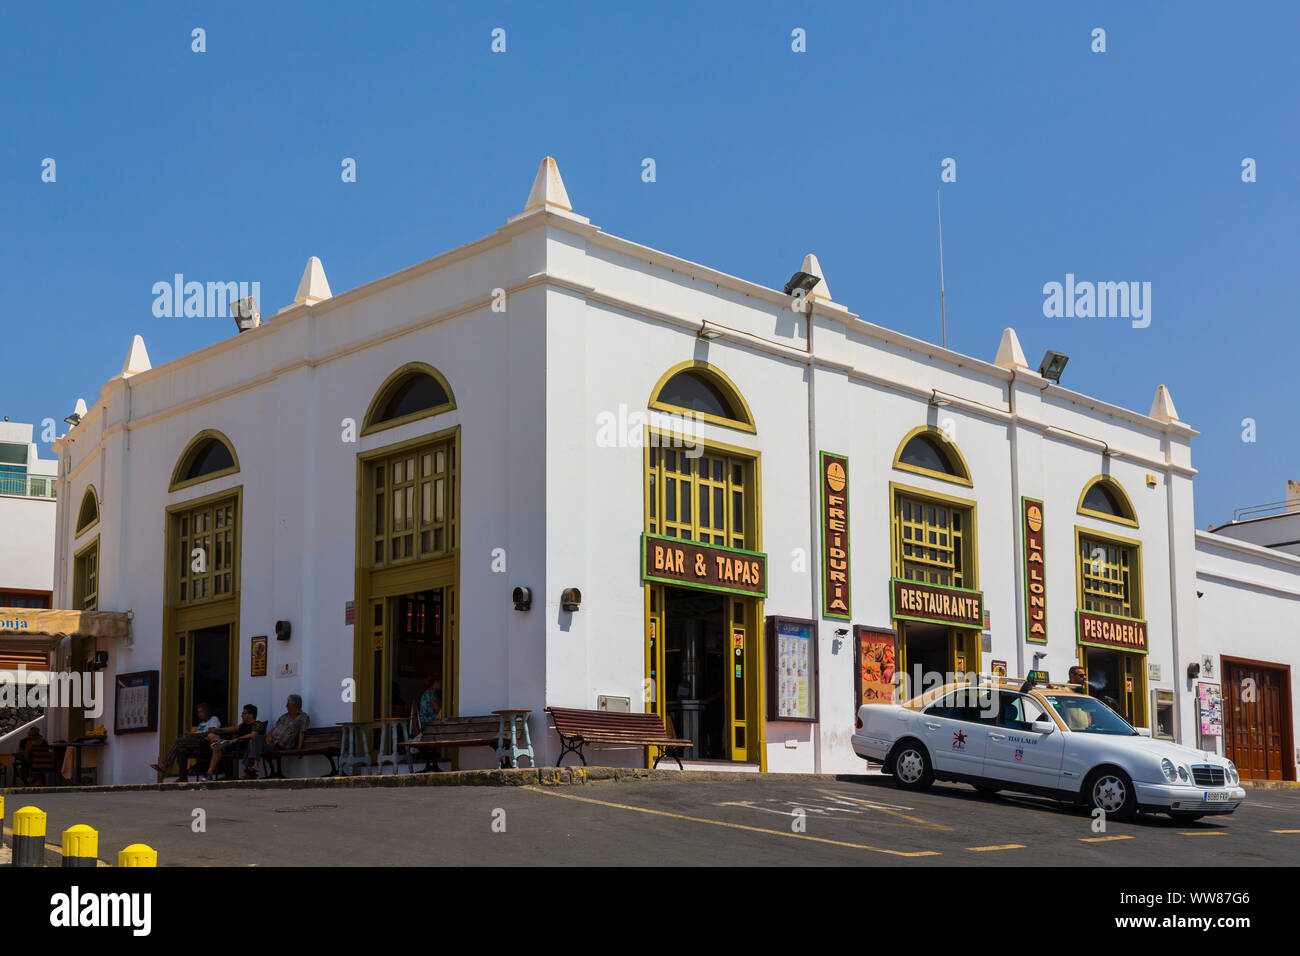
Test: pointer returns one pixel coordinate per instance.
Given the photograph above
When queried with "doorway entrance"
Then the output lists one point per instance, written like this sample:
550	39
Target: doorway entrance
695	661
410	653
1121	677
932	652
203	659
1257	719
701	643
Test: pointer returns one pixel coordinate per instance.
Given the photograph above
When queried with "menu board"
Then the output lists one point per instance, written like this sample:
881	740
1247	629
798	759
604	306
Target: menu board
792	669
1209	701
876	653
136	701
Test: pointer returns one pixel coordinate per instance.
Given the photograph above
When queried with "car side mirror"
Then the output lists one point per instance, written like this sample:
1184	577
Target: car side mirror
1143	731
1043	726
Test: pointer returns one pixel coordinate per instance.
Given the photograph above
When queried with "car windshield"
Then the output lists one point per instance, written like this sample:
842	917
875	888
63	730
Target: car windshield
1089	716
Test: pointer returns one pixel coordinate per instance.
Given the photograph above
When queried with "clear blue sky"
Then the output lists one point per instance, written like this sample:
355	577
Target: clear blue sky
1124	165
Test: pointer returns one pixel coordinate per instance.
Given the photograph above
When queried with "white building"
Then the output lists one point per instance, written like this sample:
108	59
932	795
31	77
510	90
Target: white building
27	509
1248	613
659	452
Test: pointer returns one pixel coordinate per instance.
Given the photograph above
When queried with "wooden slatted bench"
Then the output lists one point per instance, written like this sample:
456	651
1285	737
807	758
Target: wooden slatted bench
577	728
451	732
316	742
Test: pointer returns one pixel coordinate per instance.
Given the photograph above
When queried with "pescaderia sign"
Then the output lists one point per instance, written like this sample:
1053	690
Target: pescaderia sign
1031	518
674	561
1107	630
835	536
932	603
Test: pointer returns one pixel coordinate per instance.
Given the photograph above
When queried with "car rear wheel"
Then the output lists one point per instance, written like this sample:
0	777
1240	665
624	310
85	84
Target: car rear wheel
911	766
1111	791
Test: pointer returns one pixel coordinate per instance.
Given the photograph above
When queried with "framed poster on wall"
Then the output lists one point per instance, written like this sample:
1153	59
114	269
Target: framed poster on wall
136	700
875	650
792	669
1209	704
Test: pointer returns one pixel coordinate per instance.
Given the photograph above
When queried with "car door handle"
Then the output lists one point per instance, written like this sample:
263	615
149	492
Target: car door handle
997	736
933	726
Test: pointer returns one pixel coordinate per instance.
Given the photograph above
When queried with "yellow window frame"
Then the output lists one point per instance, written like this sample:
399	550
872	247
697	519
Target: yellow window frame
969	534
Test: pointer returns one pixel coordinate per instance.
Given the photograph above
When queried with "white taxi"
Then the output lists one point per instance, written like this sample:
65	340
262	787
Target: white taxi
1048	739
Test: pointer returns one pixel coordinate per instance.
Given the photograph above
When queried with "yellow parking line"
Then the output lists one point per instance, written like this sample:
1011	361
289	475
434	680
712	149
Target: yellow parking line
1103	839
1005	846
1284	831
733	826
1203	833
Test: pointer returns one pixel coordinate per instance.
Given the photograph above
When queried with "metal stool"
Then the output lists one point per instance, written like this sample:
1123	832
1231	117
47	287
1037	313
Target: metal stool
392	732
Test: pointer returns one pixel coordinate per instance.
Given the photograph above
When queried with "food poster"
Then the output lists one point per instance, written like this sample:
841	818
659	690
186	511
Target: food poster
1209	699
876	662
794	682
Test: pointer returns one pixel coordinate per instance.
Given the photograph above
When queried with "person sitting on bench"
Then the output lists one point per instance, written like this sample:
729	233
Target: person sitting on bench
189	745
285	735
237	744
23	756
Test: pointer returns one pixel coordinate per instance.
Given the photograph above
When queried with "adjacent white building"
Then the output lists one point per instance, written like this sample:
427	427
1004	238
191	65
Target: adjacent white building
27	506
740	507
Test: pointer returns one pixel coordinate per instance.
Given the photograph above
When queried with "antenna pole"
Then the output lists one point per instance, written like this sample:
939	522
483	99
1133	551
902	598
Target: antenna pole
943	315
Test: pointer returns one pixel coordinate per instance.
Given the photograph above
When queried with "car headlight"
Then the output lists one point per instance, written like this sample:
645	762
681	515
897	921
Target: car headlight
1183	775
1233	778
1170	773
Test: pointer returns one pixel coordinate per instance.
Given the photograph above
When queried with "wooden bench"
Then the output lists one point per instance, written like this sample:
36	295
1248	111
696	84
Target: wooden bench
316	742
577	728
451	732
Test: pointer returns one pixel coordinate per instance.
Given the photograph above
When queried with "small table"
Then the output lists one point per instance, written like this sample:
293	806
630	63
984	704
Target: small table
515	716
392	731
354	748
91	741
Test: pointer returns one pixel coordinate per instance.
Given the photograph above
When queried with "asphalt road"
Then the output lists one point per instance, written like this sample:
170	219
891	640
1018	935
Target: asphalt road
746	822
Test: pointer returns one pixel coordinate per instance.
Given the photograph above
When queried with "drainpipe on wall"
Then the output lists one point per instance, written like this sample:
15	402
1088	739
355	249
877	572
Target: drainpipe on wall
1173	590
1017	563
814	499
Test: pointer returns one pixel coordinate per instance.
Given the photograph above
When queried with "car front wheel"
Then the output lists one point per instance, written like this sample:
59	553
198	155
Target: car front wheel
911	766
1111	791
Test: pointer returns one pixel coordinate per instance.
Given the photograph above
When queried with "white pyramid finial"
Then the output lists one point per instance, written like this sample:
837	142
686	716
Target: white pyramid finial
814	268
1162	409
80	408
1010	354
137	359
313	287
548	189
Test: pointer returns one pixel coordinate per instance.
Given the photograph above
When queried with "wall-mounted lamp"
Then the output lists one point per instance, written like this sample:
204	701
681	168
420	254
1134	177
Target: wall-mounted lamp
841	632
936	401
570	598
1053	365
708	333
523	598
98	662
282	630
1193	670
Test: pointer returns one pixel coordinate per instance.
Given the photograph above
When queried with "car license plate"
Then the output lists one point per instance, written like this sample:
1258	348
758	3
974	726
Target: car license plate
1217	796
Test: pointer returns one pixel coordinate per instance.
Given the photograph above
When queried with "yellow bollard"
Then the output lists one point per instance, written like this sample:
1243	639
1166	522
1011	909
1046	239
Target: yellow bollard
80	846
137	854
29	837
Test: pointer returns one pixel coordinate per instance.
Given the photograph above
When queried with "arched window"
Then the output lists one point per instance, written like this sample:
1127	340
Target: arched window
1104	498
414	391
699	390
88	514
929	451
209	455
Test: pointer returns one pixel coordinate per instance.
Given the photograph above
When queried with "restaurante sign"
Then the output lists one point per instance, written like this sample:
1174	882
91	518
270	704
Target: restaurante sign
914	601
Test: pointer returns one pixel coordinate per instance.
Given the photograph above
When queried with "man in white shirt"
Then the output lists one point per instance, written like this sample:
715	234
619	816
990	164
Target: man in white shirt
189	745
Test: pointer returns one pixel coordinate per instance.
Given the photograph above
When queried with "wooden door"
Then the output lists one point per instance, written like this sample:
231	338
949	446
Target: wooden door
1256	737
